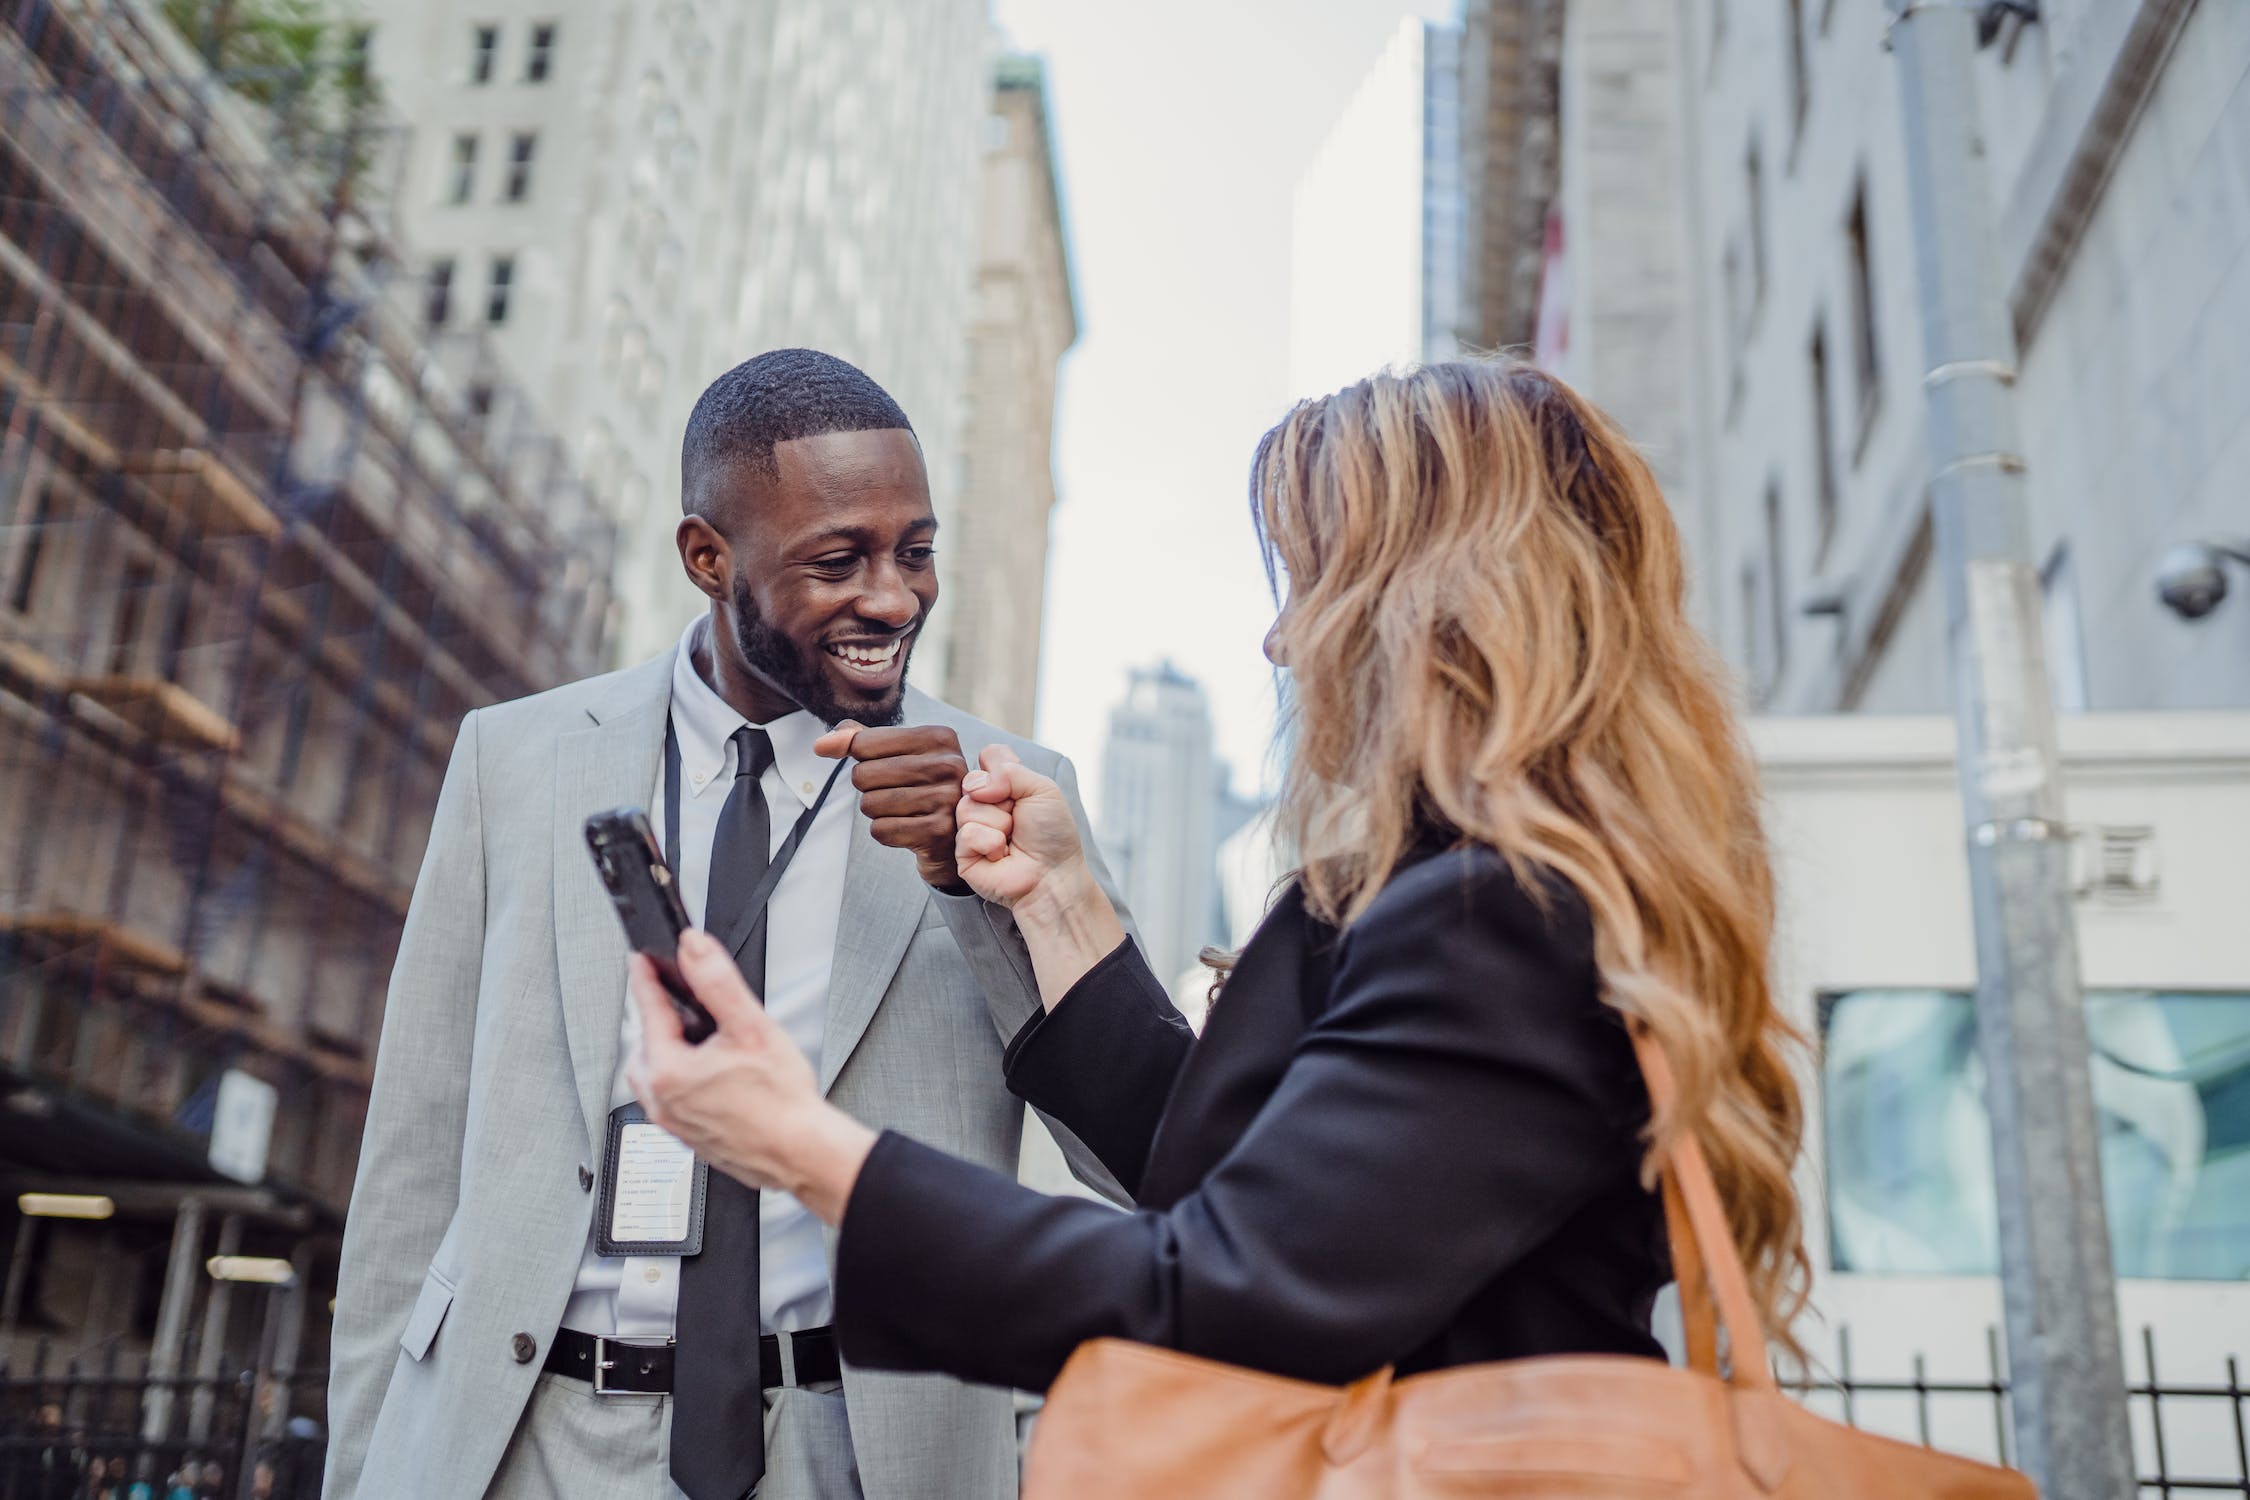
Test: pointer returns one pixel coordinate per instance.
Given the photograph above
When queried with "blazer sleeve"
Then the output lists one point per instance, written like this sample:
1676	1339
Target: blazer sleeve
1103	1061
1465	1092
408	1183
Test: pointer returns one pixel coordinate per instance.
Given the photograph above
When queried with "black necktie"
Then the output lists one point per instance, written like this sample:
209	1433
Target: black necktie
718	1406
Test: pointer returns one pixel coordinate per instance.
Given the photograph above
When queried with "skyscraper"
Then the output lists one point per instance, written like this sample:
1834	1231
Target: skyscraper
623	198
1162	784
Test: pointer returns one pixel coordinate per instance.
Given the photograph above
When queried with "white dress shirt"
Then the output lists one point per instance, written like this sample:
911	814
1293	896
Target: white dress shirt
638	1296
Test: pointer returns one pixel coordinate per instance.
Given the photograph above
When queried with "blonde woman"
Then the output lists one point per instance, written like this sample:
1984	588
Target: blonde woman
1413	1132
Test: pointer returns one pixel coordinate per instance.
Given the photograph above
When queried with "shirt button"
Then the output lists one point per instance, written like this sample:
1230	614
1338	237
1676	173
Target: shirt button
700	778
585	1180
525	1346
807	786
652	1275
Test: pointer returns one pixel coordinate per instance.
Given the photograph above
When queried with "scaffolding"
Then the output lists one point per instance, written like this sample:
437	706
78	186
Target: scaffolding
262	544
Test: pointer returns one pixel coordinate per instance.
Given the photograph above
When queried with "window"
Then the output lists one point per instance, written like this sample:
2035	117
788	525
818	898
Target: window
541	59
138	583
464	181
1800	81
1753	635
1777	585
41	515
1868	359
519	166
2065	637
1909	1144
1754	180
484	51
438	305
1824	449
496	296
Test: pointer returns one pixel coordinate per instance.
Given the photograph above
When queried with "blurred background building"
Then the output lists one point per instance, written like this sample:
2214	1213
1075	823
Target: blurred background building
262	550
1376	221
1025	318
1756	325
1167	807
628	197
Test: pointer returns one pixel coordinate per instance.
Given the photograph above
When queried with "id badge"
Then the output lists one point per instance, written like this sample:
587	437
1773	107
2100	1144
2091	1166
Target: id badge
652	1190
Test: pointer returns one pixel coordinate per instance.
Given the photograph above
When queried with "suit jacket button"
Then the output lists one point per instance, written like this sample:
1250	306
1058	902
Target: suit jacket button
585	1180
525	1347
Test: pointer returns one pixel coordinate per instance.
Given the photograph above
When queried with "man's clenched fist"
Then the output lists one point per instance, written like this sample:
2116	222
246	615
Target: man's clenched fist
909	781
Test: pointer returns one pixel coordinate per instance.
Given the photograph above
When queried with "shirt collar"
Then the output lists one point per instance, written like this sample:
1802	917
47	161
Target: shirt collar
706	722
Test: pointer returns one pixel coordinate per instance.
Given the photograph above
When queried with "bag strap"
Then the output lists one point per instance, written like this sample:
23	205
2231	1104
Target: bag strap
1704	1259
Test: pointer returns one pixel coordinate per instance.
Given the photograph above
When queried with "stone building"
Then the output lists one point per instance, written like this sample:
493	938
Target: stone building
1738	278
626	197
259	553
1026	318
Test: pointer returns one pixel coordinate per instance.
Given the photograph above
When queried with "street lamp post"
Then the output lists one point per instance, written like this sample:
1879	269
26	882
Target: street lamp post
2066	1367
278	1280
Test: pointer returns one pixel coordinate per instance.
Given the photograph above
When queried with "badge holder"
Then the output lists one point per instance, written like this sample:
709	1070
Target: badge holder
653	1190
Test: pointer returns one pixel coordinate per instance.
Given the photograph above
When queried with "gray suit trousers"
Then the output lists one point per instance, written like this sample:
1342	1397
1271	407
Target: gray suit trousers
572	1442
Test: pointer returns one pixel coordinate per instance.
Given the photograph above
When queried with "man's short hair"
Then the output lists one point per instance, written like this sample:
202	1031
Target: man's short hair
774	398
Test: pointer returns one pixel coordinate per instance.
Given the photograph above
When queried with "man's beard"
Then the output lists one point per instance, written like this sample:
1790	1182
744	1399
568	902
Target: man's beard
797	673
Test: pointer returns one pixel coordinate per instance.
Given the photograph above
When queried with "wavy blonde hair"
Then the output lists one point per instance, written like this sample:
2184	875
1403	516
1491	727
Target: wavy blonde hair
1485	634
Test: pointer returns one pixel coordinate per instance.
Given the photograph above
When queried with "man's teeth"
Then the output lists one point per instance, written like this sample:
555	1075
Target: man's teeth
867	656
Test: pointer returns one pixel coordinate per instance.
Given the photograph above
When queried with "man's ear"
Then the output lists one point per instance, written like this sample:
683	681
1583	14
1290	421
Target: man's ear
705	556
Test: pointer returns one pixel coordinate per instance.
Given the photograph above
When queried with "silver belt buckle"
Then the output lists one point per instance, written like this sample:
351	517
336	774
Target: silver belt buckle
603	1363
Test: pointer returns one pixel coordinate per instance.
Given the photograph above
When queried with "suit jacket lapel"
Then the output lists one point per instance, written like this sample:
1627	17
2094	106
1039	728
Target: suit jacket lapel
611	764
884	897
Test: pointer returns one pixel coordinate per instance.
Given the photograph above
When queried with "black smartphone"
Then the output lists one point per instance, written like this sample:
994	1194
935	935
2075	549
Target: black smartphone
647	899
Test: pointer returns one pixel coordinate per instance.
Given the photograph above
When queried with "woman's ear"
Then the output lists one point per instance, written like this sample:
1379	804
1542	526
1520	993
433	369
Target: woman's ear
704	555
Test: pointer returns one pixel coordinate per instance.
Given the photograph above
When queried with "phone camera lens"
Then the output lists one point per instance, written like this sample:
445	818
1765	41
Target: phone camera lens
608	864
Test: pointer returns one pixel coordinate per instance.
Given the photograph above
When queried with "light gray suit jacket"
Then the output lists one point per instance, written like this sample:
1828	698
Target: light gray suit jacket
492	1084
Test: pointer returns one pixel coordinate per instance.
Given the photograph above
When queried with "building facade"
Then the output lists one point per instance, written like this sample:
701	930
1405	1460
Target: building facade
628	197
260	555
1376	221
1876	959
1026	318
1779	306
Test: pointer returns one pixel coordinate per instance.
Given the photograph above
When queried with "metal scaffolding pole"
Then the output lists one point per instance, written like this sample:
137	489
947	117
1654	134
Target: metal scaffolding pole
181	1276
211	1353
2068	1399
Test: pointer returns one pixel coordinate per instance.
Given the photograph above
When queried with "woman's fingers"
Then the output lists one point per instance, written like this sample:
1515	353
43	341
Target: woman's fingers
711	973
978	841
1001	817
660	1023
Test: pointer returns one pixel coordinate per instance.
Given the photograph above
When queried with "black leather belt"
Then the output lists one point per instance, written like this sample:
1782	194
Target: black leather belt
622	1367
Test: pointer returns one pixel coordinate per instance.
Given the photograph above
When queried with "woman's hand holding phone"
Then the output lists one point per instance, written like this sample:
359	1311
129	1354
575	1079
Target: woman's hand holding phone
746	1100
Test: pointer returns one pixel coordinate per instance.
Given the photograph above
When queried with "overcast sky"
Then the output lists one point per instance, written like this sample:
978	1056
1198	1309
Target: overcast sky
1183	126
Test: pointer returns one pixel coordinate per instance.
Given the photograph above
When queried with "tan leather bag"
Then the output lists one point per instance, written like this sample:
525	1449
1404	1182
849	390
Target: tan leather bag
1129	1422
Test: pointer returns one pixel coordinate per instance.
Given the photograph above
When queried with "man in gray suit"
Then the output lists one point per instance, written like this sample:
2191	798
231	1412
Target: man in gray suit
495	1334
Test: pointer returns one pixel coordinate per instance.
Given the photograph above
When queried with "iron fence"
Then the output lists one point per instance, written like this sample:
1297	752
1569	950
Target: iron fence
2214	1410
109	1429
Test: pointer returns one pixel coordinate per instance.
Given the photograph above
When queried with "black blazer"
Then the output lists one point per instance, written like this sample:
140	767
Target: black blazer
1416	1143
